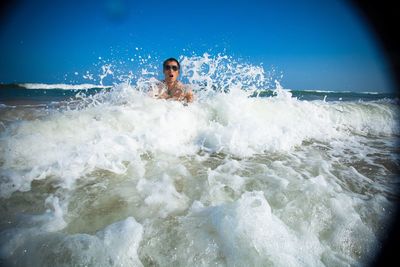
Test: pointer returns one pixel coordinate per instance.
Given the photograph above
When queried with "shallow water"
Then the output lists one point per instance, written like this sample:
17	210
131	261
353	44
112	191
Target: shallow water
112	177
123	179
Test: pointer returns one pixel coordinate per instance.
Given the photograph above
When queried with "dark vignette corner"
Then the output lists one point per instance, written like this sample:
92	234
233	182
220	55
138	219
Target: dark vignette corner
381	18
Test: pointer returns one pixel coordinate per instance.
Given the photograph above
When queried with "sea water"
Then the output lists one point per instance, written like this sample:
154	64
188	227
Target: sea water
249	174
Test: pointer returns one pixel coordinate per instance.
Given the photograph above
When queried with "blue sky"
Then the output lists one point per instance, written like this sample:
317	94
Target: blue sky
320	45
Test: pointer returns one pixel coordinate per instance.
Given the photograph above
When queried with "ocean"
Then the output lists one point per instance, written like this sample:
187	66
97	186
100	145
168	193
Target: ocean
249	174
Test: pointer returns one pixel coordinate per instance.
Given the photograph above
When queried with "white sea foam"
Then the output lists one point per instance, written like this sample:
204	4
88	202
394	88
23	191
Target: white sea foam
61	86
116	245
231	123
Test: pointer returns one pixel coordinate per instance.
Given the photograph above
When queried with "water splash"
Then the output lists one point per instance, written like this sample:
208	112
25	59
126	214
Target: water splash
204	73
106	70
222	73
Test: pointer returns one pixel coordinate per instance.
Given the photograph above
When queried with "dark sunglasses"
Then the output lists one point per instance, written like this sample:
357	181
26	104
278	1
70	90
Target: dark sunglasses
169	67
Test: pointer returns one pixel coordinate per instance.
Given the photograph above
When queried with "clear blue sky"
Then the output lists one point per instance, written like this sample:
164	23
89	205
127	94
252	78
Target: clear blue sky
316	44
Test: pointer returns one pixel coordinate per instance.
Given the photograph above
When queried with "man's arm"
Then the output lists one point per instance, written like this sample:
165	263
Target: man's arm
189	96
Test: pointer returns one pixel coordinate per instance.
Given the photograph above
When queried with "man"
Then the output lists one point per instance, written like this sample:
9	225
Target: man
170	87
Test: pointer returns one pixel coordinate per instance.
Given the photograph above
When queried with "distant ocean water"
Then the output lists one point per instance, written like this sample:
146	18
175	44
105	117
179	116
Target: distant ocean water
39	93
246	175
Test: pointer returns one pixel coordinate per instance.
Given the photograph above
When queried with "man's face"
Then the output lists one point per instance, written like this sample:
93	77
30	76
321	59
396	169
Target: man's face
171	71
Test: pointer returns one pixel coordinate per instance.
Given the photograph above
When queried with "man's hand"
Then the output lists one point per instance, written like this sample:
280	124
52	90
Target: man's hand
189	97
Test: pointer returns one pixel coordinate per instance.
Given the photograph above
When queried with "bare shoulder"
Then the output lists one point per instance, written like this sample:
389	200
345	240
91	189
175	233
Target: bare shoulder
179	85
184	87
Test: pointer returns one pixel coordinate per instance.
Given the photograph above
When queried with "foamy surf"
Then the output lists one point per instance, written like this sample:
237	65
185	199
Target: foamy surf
119	178
61	86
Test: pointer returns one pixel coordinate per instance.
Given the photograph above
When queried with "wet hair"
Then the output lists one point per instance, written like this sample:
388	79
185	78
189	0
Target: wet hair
171	59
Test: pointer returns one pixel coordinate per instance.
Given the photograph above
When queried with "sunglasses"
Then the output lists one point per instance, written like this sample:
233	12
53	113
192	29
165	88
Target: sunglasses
169	67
